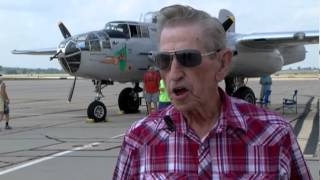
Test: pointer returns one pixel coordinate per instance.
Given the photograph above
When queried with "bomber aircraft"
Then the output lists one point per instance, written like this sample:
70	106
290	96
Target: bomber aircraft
123	50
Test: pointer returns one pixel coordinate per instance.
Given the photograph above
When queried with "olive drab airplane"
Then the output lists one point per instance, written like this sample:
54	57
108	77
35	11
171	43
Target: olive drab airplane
123	50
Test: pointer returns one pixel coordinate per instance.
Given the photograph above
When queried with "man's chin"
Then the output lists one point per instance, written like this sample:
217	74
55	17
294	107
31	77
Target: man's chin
182	106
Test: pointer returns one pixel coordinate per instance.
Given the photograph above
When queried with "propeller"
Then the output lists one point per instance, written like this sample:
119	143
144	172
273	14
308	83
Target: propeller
228	23
66	34
64	30
72	89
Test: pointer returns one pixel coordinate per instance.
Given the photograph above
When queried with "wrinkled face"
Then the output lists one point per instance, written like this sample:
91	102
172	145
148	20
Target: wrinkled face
189	87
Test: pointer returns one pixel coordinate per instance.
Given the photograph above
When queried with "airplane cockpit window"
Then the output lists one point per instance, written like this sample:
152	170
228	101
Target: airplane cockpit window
117	30
135	31
144	31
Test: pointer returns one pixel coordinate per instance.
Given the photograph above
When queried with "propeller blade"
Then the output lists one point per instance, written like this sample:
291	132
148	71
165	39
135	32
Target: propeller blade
64	30
72	89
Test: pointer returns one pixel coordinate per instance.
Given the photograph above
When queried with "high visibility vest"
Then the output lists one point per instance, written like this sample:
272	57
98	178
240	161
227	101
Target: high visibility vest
164	96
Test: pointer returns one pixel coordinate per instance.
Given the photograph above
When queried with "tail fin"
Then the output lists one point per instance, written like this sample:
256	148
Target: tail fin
227	19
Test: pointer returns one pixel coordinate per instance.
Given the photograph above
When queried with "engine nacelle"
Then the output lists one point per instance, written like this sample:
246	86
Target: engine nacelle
293	54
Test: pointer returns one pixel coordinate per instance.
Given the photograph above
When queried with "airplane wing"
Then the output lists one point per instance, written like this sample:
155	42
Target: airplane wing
47	51
275	40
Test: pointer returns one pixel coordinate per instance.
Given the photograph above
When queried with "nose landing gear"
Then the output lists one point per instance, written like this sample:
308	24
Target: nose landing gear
96	109
128	101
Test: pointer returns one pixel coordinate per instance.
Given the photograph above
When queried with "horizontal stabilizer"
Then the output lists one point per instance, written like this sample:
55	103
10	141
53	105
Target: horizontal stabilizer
279	39
47	51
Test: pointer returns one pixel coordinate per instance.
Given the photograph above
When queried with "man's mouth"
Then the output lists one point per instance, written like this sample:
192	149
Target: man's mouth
179	91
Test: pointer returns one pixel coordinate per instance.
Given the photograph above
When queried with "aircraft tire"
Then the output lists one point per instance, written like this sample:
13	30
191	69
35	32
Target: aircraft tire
246	94
129	101
97	111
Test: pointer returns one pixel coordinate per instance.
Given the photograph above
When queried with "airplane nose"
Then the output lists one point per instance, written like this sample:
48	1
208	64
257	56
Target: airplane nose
70	57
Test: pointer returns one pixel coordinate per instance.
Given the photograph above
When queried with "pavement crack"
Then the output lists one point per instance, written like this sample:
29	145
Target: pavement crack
56	139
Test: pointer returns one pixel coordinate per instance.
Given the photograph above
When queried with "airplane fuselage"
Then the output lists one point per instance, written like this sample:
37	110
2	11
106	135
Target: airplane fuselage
92	55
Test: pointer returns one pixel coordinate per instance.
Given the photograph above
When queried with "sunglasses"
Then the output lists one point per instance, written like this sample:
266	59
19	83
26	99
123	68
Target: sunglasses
186	57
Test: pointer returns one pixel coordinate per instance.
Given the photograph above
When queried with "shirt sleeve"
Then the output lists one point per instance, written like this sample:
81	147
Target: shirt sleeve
128	162
297	169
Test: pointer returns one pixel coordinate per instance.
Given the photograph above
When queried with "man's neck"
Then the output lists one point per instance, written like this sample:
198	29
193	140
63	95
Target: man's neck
203	118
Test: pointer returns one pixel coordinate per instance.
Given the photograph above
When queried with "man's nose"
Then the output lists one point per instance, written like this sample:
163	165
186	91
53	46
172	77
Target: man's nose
176	70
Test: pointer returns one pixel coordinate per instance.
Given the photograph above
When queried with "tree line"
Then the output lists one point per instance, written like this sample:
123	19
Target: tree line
16	70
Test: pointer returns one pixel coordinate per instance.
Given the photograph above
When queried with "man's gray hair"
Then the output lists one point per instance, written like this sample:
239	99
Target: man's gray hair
213	34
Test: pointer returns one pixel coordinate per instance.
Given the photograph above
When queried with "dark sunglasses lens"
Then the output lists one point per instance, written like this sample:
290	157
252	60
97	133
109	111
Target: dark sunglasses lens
189	58
163	60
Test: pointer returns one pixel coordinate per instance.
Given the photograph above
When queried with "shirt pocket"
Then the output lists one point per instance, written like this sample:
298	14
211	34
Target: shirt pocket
251	160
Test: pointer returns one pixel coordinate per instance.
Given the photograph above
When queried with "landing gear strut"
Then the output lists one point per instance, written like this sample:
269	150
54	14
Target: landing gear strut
236	87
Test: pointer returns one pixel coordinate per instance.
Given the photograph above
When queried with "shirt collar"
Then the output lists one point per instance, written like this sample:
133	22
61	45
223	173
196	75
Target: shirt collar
230	116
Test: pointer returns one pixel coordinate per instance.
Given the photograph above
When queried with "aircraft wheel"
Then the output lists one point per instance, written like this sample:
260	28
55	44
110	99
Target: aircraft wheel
246	94
128	100
97	111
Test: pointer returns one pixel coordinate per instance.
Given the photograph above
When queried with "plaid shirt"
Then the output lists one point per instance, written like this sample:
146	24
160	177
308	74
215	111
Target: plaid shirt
246	143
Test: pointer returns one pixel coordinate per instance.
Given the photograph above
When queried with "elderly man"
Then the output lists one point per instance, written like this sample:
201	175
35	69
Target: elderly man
205	134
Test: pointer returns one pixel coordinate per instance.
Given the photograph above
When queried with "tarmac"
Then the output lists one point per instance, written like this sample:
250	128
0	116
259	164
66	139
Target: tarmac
52	139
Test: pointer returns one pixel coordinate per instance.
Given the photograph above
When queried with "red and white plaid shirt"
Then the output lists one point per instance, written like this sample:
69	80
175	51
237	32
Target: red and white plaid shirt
247	143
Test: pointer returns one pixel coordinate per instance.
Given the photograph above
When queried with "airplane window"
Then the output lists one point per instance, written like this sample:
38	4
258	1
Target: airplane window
117	27
71	47
83	45
62	44
138	31
106	44
103	35
117	30
95	45
144	31
135	31
82	37
92	36
124	28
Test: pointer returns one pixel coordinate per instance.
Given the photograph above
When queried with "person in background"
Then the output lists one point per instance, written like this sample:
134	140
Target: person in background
4	103
205	133
164	99
266	82
151	82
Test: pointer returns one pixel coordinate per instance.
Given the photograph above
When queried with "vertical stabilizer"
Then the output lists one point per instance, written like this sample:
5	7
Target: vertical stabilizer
227	18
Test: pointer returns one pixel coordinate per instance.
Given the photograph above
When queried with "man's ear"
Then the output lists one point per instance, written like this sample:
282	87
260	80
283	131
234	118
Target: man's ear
225	59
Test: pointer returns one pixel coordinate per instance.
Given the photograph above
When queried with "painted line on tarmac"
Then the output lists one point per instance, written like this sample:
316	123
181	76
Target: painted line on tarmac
117	136
48	158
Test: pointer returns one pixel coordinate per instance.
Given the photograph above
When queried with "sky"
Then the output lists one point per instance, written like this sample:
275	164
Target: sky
32	24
